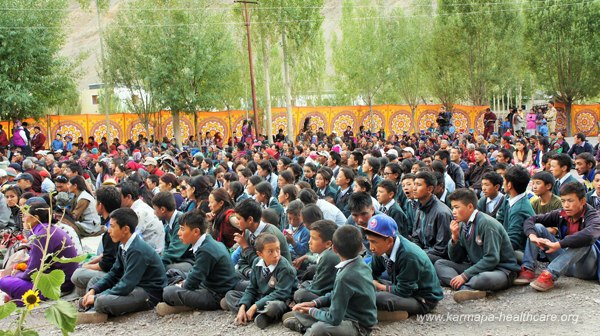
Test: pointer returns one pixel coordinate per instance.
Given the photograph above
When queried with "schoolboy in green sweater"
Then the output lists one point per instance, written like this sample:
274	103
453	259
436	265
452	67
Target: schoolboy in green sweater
175	255
414	287
352	309
249	213
321	235
480	251
211	277
542	184
272	281
137	278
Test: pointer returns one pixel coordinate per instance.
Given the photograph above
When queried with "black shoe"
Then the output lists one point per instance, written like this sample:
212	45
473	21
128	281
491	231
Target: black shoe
262	321
294	324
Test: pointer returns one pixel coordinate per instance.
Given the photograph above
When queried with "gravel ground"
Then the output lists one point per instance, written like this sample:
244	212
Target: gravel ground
518	311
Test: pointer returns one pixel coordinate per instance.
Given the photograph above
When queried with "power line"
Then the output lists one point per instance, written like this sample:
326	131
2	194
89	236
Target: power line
431	15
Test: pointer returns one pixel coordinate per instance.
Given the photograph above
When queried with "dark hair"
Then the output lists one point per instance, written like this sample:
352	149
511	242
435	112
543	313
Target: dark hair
502	166
335	156
129	188
325	174
347	241
202	186
563	160
109	197
255	180
587	157
76	168
580	136
362	182
125	217
264	239
374	163
230	177
266	165
443	155
388	185
195	219
169	179
359	201
312	166
326	228
153	178
348	174
237	189
506	153
295	207
438	167
265	188
288	176
519	177
221	195
427	177
358	157
270	216
308	196
296	170
576	188
545	177
249	208
494	178
463	195
164	199
310	214
78	181
408	176
40	210
291	191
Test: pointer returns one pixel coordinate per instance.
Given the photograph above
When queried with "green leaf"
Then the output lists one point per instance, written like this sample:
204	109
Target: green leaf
49	283
6	333
63	315
64	260
29	332
7	309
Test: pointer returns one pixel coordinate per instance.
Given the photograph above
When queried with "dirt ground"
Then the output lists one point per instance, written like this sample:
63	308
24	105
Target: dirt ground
568	309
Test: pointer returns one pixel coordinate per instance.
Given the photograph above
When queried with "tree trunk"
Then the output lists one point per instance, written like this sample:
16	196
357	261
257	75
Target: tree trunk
176	127
196	131
288	88
568	106
266	64
370	114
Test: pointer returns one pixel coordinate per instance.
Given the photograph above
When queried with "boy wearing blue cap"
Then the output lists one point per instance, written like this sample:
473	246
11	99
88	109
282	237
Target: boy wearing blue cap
414	287
481	255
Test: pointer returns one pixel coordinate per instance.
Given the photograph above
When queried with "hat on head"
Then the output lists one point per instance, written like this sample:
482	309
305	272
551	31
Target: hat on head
323	153
382	225
24	176
35	199
409	149
392	152
150	161
44	173
271	152
94	150
10	171
61	179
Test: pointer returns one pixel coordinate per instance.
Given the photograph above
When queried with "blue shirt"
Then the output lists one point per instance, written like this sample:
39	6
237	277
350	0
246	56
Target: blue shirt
301	237
57	144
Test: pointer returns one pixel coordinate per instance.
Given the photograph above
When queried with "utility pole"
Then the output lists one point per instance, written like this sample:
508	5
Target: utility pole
251	62
105	87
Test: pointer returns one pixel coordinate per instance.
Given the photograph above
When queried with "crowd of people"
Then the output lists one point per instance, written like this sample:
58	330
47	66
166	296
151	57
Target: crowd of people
328	234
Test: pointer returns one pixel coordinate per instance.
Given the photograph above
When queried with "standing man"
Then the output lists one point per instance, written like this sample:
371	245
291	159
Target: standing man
3	139
489	120
551	116
38	141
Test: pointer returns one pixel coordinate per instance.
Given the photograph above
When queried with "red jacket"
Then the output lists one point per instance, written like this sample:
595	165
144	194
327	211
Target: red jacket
3	139
38	142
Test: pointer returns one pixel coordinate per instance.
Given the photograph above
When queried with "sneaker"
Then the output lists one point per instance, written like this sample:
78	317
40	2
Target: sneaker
262	321
525	277
468	294
391	316
81	308
294	324
544	282
223	304
288	315
91	316
163	309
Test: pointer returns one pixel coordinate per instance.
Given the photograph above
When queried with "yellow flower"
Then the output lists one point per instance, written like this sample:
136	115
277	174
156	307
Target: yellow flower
31	299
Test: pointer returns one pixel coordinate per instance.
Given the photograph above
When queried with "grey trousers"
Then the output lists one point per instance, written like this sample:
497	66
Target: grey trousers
116	305
273	309
304	295
201	299
318	328
485	281
185	267
82	276
391	302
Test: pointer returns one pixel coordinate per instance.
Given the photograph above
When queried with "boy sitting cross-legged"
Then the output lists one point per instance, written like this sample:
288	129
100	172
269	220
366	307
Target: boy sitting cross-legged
137	278
414	287
211	276
351	303
321	234
566	236
480	251
272	281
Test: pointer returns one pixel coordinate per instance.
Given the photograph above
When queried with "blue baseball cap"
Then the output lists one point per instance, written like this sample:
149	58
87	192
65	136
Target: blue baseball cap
382	225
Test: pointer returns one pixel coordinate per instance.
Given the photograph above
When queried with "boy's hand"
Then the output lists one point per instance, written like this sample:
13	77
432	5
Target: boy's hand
92	266
298	262
88	298
240	240
304	307
379	286
210	216
289	237
552	246
250	312
455	230
241	316
537	241
457	282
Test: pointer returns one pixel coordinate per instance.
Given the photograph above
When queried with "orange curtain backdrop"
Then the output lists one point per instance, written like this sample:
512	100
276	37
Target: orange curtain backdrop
395	119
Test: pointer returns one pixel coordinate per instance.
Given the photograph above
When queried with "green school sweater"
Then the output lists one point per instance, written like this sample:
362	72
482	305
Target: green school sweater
413	274
513	217
213	268
139	266
488	248
175	251
244	265
324	278
352	298
278	287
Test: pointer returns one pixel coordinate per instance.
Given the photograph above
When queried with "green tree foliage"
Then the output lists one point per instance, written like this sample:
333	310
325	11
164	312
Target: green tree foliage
563	42
33	77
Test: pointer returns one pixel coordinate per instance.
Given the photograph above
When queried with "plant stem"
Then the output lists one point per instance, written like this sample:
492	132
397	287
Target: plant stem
21	322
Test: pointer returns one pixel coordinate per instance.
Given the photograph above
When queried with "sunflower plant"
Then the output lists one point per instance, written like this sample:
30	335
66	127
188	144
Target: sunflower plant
60	313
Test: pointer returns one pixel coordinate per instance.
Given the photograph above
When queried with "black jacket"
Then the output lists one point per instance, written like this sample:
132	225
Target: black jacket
457	174
432	227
